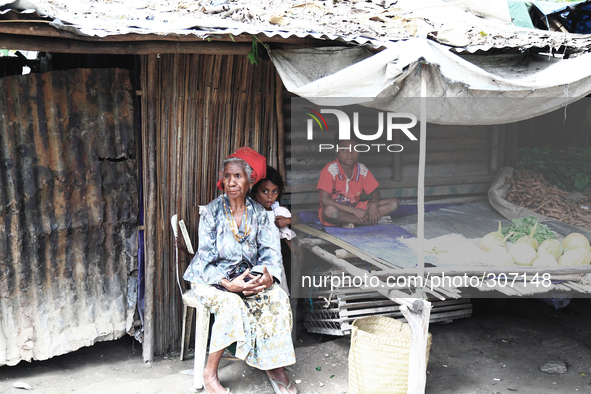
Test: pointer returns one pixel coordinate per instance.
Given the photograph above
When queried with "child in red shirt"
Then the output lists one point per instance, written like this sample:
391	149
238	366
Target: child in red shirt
341	184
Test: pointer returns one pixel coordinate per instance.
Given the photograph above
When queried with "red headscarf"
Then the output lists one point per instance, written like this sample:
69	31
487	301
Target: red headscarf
257	162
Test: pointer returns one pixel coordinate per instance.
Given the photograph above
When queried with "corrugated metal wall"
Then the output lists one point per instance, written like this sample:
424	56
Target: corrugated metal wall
68	210
460	160
205	107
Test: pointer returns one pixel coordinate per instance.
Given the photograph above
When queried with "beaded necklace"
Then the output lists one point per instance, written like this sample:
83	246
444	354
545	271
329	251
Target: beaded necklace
233	226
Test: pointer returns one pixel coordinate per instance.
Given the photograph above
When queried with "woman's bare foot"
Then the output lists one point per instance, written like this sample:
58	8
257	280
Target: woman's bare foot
348	225
212	384
281	380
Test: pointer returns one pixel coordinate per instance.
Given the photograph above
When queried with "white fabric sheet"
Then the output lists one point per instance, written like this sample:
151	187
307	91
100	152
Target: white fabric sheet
486	90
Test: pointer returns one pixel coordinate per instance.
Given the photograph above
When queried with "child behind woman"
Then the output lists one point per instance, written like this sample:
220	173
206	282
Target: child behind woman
267	192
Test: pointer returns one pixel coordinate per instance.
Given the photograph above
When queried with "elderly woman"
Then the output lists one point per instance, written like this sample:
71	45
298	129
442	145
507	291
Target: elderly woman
236	272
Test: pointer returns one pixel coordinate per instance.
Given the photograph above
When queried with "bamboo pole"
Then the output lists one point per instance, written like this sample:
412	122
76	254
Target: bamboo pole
280	127
150	212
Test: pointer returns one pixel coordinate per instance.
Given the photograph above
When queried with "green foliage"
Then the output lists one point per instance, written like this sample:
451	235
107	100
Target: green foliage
569	169
523	227
253	55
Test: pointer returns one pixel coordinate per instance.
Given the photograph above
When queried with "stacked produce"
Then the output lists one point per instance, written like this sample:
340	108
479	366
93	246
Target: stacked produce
535	245
530	190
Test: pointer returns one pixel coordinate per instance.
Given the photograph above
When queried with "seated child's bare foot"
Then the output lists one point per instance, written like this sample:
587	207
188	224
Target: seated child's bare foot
349	225
385	220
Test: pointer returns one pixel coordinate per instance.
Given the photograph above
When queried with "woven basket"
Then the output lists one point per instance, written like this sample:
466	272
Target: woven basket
378	358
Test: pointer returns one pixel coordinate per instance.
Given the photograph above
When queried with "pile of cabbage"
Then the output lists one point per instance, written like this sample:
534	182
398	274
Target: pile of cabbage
535	245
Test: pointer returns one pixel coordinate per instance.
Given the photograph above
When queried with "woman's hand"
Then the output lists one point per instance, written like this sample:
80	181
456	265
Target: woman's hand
281	221
255	285
240	284
262	282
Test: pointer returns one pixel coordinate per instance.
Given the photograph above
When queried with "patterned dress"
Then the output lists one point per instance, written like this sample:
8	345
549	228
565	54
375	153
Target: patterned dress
259	324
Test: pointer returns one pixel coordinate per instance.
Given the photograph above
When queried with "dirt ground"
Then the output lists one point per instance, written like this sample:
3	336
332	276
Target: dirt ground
497	350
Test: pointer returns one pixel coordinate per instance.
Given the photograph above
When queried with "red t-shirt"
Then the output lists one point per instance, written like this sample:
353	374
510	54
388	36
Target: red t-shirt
343	190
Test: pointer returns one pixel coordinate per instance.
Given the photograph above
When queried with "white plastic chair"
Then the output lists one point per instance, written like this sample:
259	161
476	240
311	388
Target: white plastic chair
189	302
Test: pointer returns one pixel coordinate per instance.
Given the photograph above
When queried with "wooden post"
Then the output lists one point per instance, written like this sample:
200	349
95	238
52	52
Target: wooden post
150	212
419	318
297	261
419	331
494	151
397	158
421	180
280	126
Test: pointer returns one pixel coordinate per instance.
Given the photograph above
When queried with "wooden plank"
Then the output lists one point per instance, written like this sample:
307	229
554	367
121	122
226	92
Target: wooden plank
451	271
64	45
313	242
343	327
323	330
449	316
353	314
453	293
395	295
575	287
398	314
338	242
436	304
344	254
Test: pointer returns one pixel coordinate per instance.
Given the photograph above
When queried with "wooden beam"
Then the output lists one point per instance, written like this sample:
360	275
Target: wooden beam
442	181
64	45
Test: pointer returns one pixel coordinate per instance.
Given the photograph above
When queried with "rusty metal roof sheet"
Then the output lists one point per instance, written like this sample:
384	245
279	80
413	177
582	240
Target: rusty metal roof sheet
68	210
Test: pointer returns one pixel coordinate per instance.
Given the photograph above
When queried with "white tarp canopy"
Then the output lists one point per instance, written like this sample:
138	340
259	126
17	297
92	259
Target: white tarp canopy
484	90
